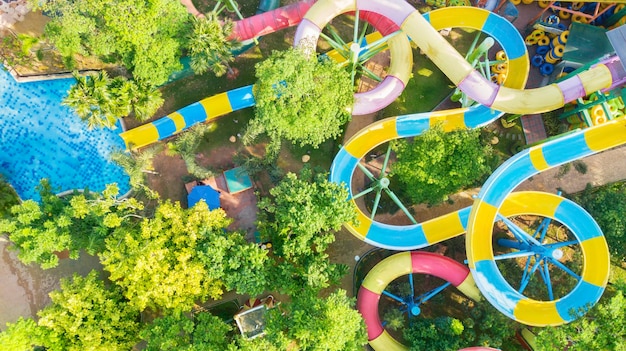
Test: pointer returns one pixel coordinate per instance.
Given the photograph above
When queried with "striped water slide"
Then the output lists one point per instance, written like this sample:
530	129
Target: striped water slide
218	105
396	266
496	196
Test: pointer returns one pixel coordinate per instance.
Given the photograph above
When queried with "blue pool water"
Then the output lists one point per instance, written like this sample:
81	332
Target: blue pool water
40	138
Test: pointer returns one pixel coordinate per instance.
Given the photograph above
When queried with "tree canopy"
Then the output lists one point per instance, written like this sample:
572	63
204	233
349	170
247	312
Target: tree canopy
314	323
83	315
178	257
209	46
602	328
147	37
75	222
178	332
607	205
482	326
438	163
101	101
300	218
300	98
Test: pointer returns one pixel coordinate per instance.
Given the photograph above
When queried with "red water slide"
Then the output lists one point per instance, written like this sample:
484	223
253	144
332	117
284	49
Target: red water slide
291	15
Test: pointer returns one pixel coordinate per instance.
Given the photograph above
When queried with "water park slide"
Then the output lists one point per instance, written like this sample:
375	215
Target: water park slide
396	266
265	22
605	75
215	106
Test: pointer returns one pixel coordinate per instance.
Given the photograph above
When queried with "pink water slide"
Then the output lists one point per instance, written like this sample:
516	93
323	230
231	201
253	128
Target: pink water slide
271	21
291	15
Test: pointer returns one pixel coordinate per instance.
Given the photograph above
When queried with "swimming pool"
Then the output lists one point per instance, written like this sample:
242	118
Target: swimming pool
40	138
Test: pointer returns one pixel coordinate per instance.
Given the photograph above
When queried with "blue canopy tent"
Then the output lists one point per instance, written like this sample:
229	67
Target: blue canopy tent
206	193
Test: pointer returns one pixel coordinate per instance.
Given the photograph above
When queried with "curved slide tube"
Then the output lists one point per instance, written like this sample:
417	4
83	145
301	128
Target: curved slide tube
264	7
491	283
396	266
204	110
201	111
602	76
359	145
492	199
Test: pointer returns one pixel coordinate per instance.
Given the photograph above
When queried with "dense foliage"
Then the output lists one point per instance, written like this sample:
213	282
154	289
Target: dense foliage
8	197
209	46
101	101
602	328
482	326
178	332
75	222
300	98
147	37
607	205
299	218
178	257
438	163
83	315
314	323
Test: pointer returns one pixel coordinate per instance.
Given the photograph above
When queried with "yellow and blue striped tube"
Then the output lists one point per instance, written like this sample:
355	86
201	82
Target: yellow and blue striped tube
204	110
497	189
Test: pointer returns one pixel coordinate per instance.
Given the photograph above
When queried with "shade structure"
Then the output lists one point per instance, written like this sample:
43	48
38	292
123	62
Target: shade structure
206	193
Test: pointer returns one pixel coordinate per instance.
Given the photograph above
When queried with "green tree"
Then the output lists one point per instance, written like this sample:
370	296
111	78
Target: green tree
85	315
299	98
176	258
23	335
441	334
79	221
101	101
147	37
186	145
300	218
209	46
178	332
607	205
482	326
314	323
486	326
437	164
602	328
136	164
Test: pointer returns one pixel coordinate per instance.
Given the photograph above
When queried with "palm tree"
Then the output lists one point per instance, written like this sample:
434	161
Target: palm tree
91	99
136	165
146	102
209	46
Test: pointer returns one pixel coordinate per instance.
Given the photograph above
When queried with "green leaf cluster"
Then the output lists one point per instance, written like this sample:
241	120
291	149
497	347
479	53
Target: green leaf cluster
178	257
75	222
438	163
147	37
300	98
8	197
607	205
299	218
482	326
178	332
314	323
101	101
83	315
209	45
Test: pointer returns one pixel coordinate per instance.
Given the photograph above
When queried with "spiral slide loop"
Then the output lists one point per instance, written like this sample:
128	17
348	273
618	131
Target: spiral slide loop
495	197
